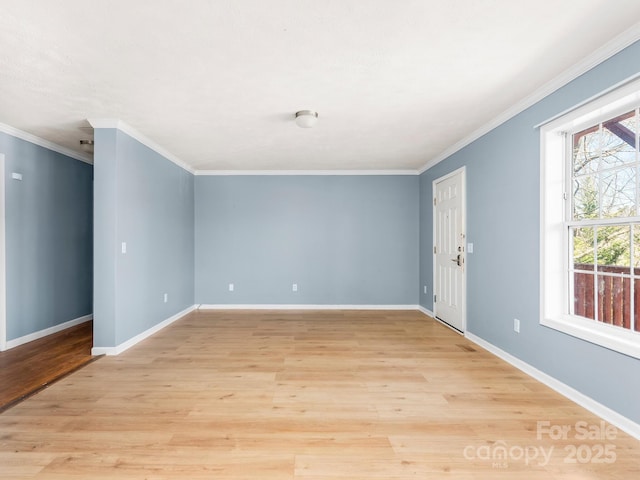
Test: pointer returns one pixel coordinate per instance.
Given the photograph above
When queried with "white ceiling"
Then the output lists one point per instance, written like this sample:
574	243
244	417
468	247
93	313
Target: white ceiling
217	82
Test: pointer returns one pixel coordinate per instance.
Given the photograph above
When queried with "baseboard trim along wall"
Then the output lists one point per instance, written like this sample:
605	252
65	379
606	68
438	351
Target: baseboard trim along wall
47	331
304	307
428	313
141	336
614	418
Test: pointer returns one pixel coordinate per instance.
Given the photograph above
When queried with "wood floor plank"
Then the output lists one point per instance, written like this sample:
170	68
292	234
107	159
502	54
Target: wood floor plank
306	395
27	368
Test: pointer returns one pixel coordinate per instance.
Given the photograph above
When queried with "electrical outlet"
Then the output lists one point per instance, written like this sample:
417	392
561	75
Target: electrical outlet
294	287
166	297
123	247
231	287
425	289
516	325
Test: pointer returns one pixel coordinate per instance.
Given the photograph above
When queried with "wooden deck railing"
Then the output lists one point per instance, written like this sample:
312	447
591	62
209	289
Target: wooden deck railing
614	295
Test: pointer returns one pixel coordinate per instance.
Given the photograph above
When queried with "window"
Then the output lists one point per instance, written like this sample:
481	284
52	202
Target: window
590	166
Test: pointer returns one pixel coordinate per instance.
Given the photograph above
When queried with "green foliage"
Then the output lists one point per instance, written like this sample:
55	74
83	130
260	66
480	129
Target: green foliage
585	198
613	245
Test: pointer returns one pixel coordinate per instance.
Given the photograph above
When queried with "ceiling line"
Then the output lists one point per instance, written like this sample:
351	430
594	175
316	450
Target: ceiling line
41	142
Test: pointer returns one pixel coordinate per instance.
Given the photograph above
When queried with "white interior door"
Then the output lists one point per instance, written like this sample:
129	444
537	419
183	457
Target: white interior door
449	249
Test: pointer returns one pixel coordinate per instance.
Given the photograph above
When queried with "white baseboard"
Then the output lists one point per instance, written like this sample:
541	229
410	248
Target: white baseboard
270	306
47	331
611	416
427	312
141	336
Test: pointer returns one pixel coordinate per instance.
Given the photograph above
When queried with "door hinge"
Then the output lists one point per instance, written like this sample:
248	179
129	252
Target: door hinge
434	201
564	195
434	249
434	298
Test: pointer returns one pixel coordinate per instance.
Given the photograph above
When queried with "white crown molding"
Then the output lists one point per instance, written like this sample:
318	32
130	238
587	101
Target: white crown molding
47	331
602	411
41	142
628	83
603	53
141	336
133	133
303	307
304	172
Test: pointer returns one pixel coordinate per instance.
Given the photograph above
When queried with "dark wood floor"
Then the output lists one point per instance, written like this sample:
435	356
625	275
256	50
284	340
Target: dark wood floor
30	367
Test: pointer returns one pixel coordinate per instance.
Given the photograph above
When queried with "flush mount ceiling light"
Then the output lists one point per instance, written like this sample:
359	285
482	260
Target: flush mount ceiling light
306	118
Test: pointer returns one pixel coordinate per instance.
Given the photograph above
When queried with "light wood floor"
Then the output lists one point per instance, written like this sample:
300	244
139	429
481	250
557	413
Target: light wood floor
307	395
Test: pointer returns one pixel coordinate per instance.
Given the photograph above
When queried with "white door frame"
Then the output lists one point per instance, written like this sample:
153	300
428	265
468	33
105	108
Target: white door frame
3	272
462	170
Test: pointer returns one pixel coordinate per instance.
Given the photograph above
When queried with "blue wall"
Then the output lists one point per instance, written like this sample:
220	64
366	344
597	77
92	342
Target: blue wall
147	201
503	211
342	239
49	259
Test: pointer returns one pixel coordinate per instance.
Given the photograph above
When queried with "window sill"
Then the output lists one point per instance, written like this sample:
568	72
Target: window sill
602	334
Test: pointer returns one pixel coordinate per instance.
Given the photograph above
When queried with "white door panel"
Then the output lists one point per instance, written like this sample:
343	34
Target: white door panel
449	251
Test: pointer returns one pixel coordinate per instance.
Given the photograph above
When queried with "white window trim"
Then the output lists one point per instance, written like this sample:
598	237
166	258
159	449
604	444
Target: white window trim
554	257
